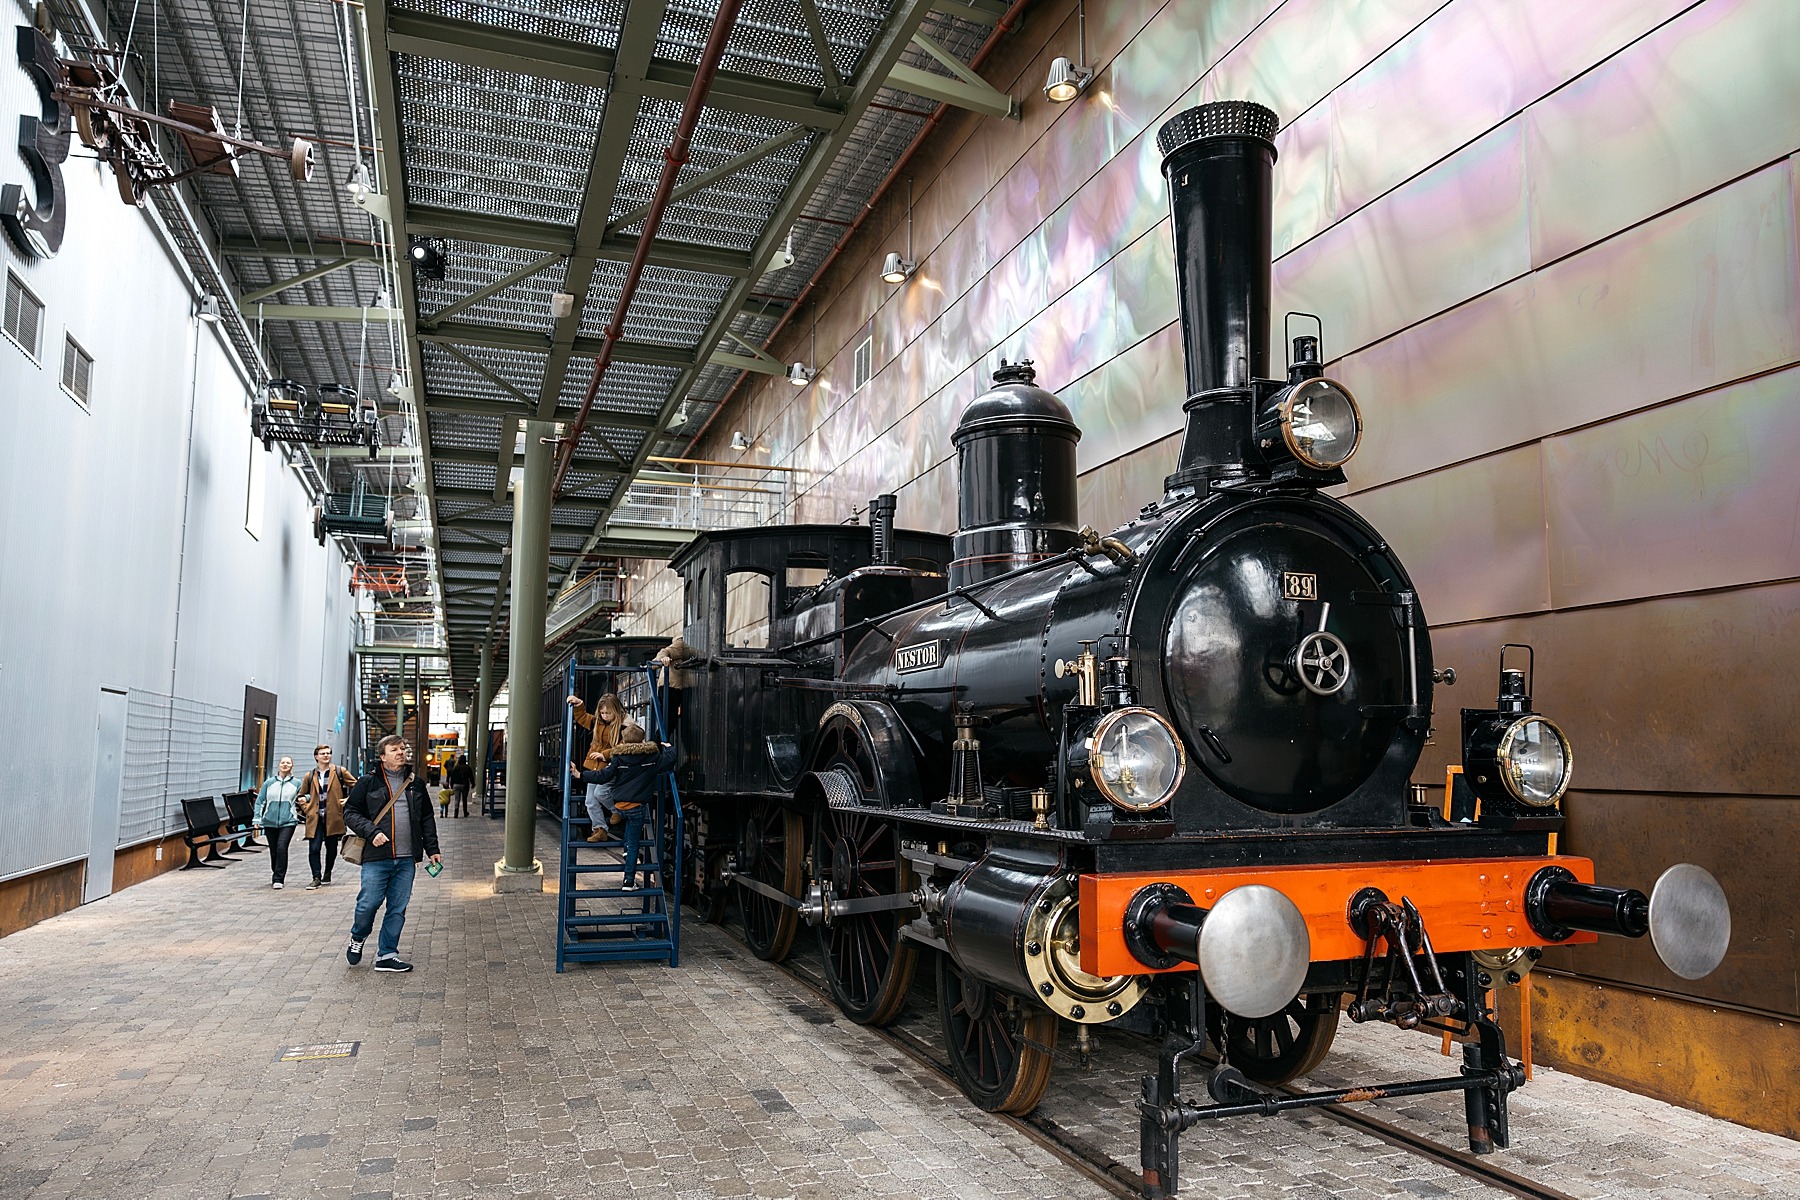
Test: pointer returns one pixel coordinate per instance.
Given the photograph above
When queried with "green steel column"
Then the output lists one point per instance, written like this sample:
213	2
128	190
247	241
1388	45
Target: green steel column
400	703
530	578
484	697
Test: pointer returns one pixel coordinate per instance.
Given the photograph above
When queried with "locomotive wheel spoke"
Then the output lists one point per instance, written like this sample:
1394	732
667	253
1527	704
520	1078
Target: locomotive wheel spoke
1001	1055
867	963
1285	1045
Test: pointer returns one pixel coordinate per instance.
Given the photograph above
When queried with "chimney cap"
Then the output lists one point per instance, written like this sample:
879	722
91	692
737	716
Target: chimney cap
1220	119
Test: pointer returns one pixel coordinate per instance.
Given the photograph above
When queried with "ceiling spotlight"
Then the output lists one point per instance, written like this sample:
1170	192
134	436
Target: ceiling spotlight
359	184
800	374
741	441
209	309
681	416
428	257
784	257
896	268
395	384
1066	80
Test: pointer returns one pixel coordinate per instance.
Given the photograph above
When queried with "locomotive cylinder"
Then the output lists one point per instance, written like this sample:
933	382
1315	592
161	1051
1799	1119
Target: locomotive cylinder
1219	160
1016	493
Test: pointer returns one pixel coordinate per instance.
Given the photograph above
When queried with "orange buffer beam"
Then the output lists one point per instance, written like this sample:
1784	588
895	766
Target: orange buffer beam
1467	903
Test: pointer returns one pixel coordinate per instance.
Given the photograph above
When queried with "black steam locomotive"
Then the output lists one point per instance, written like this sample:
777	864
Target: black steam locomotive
1157	778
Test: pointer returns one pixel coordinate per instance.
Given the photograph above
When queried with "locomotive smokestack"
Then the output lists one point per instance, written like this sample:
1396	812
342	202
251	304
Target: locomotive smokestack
1219	160
881	528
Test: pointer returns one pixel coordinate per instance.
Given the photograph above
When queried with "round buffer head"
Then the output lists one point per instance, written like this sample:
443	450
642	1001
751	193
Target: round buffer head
1254	951
1690	920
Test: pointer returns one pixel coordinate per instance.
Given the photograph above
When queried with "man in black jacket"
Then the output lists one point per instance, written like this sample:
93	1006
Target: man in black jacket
393	846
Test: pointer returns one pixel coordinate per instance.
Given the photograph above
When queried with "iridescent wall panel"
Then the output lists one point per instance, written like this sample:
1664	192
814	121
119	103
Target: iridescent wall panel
1698	494
1131	401
1111	494
1709	96
1699	297
1452	232
1471	536
1678	694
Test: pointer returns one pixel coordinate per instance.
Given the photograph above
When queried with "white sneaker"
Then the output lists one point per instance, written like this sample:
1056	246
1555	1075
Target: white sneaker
278	885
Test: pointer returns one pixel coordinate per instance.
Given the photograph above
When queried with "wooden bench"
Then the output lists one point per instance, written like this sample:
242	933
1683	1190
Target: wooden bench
203	820
240	819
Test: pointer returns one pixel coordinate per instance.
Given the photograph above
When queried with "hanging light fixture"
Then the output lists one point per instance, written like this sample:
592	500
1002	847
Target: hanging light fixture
897	267
801	374
1069	79
428	257
209	309
741	441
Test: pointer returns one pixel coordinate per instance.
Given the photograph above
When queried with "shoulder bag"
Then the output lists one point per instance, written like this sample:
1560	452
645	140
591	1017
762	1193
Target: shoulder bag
351	848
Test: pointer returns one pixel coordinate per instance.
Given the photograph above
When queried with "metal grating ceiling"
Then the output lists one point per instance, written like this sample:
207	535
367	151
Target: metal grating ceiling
495	136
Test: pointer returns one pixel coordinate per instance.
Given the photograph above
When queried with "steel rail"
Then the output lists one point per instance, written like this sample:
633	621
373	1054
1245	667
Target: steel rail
1122	1180
674	158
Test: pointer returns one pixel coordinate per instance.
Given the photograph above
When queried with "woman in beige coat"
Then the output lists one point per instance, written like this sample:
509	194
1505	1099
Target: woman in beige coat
322	796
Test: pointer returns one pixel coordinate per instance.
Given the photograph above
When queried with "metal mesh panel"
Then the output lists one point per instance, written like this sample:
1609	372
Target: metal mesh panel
495	142
446	374
770	37
471	266
595	21
465	431
463	475
671	307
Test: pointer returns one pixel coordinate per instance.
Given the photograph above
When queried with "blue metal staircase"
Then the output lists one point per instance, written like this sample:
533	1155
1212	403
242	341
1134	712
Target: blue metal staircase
597	919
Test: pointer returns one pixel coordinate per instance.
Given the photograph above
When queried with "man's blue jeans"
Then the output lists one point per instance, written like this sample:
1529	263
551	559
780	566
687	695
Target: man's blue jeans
386	881
634	832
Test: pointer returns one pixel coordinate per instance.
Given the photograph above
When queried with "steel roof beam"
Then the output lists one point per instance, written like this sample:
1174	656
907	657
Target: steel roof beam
706	179
504	337
317	312
527	234
967	90
978	12
596	66
283	285
252	247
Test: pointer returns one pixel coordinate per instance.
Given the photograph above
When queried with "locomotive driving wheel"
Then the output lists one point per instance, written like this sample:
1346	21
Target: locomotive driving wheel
1283	1046
771	850
708	897
868	964
1001	1052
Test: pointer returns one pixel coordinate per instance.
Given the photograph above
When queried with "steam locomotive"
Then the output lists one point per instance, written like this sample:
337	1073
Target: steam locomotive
1157	778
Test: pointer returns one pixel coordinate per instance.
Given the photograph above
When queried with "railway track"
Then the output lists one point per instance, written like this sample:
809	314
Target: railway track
1123	1180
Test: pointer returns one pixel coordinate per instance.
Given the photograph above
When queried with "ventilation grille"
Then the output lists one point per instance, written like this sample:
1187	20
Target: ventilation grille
1225	118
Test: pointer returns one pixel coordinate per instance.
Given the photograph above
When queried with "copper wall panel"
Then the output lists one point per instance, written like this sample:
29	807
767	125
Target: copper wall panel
1452	232
1678	694
1709	96
1698	494
1696	298
1472	536
1634	838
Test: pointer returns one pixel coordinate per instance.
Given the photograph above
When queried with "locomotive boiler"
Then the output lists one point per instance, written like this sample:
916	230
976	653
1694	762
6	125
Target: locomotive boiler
1157	778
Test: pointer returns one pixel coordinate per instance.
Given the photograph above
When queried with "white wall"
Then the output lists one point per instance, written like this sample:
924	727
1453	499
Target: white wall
94	579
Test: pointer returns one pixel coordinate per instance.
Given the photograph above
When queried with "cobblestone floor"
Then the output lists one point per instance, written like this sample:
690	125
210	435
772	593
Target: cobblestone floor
140	1037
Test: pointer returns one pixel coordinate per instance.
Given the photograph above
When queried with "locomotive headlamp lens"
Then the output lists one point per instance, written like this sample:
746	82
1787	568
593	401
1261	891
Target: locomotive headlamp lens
1136	759
1321	424
1535	761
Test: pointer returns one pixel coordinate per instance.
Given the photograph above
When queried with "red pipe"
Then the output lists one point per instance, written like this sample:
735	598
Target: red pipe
1002	26
674	158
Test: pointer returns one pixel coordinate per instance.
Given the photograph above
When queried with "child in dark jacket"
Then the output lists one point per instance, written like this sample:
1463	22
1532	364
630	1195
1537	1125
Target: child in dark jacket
633	769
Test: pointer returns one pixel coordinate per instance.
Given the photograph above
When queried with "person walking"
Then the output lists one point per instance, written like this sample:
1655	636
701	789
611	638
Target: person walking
632	771
322	796
462	779
606	721
391	811
277	815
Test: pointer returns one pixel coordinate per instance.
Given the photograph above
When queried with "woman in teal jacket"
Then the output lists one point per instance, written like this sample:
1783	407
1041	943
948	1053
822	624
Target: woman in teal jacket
277	812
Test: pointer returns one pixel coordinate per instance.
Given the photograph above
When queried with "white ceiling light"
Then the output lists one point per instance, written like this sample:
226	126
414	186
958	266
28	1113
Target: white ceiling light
1069	79
209	309
800	374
